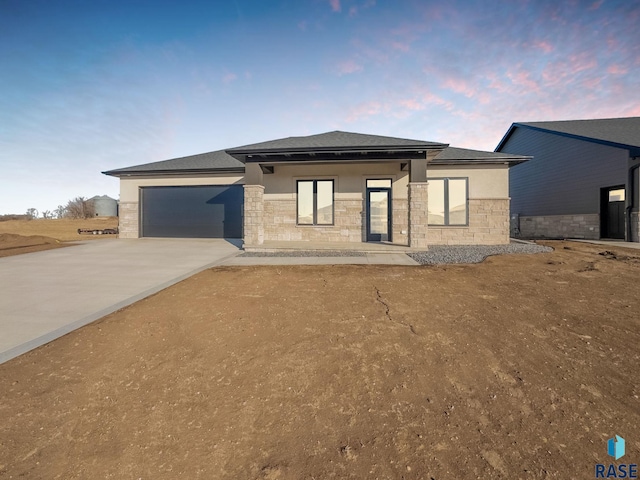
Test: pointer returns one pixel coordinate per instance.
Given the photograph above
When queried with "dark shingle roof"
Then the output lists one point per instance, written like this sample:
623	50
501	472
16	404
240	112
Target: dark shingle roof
616	132
218	161
334	140
453	155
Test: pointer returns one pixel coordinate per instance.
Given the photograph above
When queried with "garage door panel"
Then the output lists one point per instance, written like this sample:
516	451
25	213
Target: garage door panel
192	212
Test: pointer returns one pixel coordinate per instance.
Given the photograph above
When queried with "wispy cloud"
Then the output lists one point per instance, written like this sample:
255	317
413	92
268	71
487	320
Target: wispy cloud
348	67
335	5
363	110
229	77
617	69
543	45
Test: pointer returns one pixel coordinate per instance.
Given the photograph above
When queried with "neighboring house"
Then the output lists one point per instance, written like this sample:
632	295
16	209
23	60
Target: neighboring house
582	181
104	206
333	187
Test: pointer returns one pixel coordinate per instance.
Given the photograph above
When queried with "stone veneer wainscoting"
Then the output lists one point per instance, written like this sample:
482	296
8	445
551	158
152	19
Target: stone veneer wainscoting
280	222
128	223
488	225
561	226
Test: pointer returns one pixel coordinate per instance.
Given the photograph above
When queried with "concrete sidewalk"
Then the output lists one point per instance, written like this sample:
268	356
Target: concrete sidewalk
47	294
611	243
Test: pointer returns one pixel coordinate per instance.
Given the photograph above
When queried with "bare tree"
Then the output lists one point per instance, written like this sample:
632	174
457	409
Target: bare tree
32	213
60	212
47	214
79	207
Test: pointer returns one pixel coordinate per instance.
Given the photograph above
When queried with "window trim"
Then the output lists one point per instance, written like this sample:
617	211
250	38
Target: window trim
315	202
446	202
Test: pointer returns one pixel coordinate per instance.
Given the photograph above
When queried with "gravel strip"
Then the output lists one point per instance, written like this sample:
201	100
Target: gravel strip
306	253
443	254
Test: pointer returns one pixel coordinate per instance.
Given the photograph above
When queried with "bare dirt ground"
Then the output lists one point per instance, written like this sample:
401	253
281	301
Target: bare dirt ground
27	236
519	367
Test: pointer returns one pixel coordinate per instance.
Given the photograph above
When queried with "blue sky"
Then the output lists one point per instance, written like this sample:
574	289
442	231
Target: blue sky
87	86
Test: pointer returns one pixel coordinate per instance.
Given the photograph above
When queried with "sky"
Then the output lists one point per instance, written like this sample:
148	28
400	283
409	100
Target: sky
92	85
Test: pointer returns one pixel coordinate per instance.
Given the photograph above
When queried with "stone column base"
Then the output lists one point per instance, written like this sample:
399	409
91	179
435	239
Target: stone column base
418	216
253	215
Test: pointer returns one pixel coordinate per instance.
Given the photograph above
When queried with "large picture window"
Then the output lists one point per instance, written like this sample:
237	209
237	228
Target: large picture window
315	202
448	199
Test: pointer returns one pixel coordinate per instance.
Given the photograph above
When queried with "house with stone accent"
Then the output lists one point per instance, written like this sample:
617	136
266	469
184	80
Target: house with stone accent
582	181
331	188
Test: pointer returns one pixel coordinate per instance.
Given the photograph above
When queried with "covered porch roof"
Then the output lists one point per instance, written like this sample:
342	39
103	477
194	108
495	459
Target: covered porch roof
335	147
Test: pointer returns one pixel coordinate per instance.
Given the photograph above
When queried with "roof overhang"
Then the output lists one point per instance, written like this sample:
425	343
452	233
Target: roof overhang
482	161
179	173
334	154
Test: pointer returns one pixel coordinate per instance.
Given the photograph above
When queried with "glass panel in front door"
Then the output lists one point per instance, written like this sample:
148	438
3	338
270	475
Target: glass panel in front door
379	214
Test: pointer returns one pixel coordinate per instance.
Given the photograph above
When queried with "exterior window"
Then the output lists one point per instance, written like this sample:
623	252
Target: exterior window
384	183
315	202
616	195
448	200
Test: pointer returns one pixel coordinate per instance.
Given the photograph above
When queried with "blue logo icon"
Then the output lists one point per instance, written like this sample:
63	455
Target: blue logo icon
615	447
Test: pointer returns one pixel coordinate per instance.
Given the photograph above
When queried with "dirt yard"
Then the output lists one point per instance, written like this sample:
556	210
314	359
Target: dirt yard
27	236
519	367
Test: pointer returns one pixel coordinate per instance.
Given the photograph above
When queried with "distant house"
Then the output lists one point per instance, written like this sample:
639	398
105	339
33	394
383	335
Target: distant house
104	206
335	187
582	181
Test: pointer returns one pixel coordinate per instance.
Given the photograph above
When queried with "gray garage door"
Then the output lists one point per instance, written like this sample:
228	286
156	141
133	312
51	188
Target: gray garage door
211	211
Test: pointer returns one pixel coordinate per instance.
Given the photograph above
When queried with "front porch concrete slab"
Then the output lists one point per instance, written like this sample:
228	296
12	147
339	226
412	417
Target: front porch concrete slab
366	247
368	259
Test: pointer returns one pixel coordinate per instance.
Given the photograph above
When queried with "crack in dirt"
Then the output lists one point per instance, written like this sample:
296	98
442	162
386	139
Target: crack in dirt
387	313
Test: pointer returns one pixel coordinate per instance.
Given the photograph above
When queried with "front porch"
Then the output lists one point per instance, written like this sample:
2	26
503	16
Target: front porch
271	246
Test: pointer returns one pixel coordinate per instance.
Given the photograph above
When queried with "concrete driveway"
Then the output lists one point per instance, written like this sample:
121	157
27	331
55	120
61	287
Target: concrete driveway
47	294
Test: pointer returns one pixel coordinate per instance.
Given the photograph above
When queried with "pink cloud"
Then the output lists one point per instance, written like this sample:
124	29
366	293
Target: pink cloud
335	5
363	110
302	25
353	11
632	111
543	45
523	79
617	69
458	85
229	77
348	67
403	47
582	61
412	104
596	5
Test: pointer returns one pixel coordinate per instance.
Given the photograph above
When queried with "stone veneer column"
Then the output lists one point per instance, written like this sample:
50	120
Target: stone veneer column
128	220
253	215
418	202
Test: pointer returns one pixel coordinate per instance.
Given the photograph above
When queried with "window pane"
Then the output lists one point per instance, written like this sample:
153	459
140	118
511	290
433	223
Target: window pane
457	202
305	203
384	183
436	202
379	214
616	195
325	202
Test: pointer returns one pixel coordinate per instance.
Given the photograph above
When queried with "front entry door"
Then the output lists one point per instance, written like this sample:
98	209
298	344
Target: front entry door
612	212
378	214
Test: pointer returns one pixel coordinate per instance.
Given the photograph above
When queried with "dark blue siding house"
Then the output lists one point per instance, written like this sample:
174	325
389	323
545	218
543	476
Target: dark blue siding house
582	181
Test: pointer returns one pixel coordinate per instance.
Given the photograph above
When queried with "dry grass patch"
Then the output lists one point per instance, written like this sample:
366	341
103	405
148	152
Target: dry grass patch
26	236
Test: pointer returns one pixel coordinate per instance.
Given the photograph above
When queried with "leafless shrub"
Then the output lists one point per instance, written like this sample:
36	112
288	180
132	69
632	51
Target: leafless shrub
79	207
